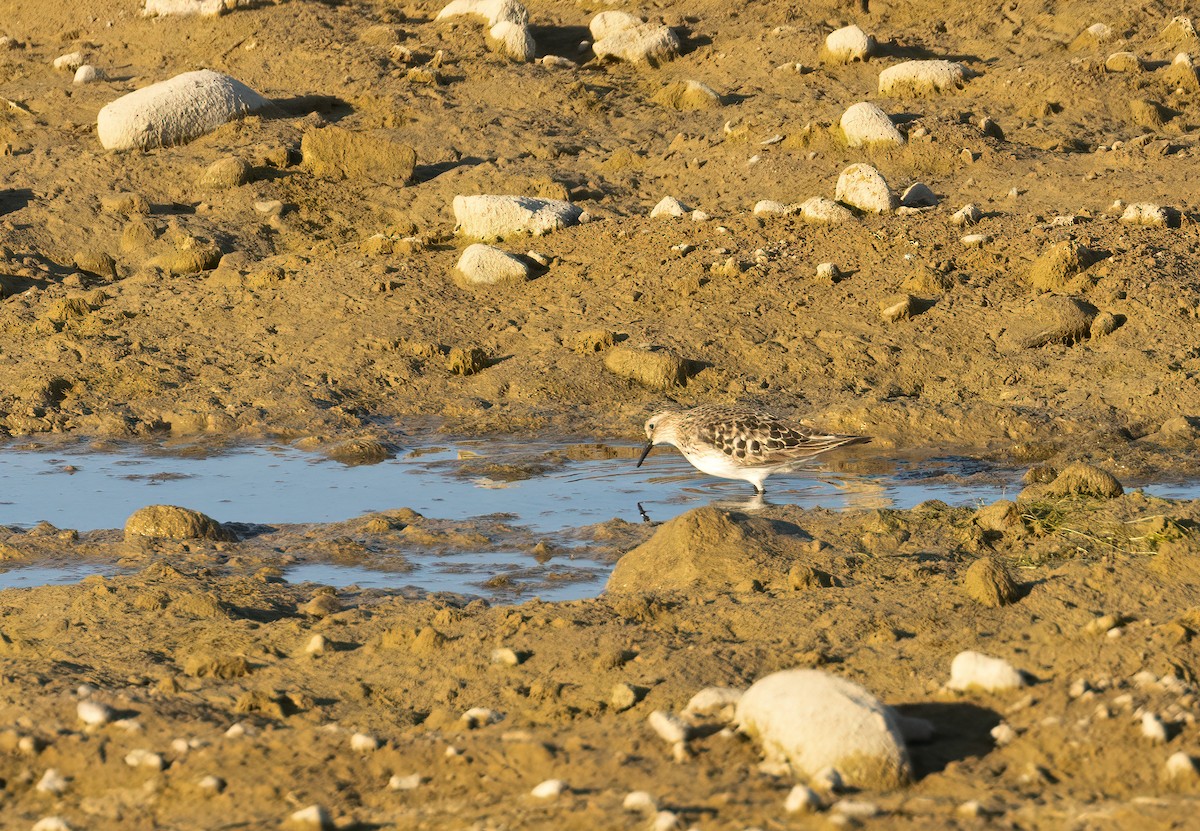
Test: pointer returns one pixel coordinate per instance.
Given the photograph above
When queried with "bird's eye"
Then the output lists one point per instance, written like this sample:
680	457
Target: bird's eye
651	426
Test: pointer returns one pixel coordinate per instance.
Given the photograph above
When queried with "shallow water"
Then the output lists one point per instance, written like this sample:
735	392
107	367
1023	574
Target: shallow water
77	487
84	488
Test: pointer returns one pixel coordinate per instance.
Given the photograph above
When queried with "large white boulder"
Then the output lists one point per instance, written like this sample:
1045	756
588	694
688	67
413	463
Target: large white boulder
175	111
865	125
862	186
493	11
810	720
974	669
821	211
484	265
848	44
621	36
183	8
921	78
490	217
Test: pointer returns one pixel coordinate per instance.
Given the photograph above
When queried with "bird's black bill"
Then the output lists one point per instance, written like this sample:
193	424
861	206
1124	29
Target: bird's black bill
645	452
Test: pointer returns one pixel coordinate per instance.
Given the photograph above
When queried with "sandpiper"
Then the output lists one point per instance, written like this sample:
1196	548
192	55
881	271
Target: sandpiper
738	442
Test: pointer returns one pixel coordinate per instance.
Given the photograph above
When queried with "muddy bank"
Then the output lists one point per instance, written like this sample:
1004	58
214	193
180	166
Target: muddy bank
150	293
204	663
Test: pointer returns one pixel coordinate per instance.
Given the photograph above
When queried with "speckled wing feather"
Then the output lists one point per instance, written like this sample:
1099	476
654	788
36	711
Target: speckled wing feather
754	437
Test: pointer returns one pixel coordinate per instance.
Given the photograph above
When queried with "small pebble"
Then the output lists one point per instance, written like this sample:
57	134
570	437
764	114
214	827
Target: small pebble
549	789
1153	728
968	214
51	824
642	802
970	808
855	808
52	782
1181	766
363	742
1003	734
505	656
828	273
975	240
211	785
480	717
405	783
974	669
316	646
88	74
142	758
312	818
70	61
802	800
665	821
93	713
669	207
670	728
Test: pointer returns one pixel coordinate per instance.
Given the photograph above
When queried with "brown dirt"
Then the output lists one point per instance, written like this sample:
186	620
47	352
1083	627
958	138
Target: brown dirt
143	298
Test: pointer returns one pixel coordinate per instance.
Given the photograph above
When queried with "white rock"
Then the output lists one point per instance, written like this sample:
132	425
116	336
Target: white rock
802	800
968	214
848	44
606	24
1153	728
490	217
713	702
405	783
175	111
52	782
93	713
974	669
862	186
811	720
670	728
70	61
640	802
855	808
1003	734
316	645
921	78
1181	766
975	240
557	62
51	824
364	742
504	655
548	789
918	195
182	8
828	272
481	717
665	821
513	41
1145	213
88	74
493	11
211	785
640	44
484	265
139	757
865	125
669	207
769	207
822	211
312	818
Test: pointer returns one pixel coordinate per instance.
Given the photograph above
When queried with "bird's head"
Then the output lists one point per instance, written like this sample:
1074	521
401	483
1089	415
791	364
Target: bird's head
660	429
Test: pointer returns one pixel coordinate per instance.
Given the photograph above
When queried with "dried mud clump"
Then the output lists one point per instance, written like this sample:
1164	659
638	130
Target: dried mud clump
988	582
336	153
1076	479
1057	267
1047	320
654	368
707	549
173	523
